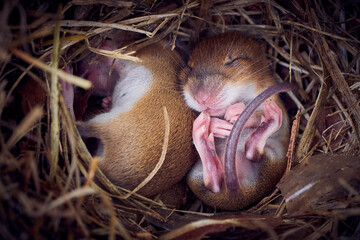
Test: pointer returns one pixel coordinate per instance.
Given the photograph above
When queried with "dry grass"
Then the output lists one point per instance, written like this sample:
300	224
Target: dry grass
46	173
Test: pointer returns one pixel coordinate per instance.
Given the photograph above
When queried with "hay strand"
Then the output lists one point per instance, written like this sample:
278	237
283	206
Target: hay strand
162	157
54	104
77	81
26	124
313	44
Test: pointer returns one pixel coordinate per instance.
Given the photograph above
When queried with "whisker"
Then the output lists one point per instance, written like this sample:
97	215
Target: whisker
259	71
230	46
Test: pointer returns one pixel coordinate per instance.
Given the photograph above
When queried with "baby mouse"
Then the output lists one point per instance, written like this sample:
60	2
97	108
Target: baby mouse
131	132
224	74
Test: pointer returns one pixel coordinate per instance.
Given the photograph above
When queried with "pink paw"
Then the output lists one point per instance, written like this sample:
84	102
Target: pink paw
220	128
255	143
273	113
233	112
201	127
205	146
107	103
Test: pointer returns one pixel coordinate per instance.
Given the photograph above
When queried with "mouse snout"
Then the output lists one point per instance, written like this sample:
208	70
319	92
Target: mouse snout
202	97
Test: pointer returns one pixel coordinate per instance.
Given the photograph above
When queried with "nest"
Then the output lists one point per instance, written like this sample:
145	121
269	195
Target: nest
47	176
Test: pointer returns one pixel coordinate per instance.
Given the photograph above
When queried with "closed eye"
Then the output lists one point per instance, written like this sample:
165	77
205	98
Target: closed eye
229	63
232	61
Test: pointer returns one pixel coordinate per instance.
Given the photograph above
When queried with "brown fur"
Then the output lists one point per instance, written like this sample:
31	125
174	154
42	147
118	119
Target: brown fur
134	140
209	56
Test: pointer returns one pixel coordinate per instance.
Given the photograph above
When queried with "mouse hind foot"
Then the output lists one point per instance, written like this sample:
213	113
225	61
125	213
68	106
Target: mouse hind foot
270	124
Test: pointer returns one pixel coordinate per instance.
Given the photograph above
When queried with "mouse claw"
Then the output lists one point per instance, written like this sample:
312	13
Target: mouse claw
211	144
234	111
220	128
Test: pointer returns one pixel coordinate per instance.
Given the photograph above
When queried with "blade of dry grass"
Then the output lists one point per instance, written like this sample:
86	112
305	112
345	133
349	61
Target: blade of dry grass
115	191
310	130
346	114
26	124
74	23
179	23
111	3
40	33
293	43
146	20
199	229
292	144
76	193
77	81
332	67
114	54
318	31
54	105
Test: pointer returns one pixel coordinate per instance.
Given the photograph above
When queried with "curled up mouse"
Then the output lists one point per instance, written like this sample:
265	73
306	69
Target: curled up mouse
225	73
131	129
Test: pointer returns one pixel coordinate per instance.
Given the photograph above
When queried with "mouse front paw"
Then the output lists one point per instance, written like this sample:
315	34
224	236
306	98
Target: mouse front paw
234	111
205	146
220	128
106	103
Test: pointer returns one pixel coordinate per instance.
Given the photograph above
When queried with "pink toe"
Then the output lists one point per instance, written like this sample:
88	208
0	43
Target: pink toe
234	111
220	128
107	103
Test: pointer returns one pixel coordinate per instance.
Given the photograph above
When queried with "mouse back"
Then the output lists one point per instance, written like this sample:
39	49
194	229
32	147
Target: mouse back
133	139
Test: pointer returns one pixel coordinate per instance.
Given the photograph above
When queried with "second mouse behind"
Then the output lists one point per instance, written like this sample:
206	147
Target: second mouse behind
131	130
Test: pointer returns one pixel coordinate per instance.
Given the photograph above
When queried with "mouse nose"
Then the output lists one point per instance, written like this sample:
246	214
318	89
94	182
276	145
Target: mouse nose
202	97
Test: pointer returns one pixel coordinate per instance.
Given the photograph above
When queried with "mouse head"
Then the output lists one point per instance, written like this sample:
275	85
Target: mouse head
222	70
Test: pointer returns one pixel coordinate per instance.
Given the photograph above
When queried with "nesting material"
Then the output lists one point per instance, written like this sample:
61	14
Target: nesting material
47	176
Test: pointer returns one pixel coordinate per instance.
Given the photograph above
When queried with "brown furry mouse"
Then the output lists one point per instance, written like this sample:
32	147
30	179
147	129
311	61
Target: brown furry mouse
131	133
225	73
